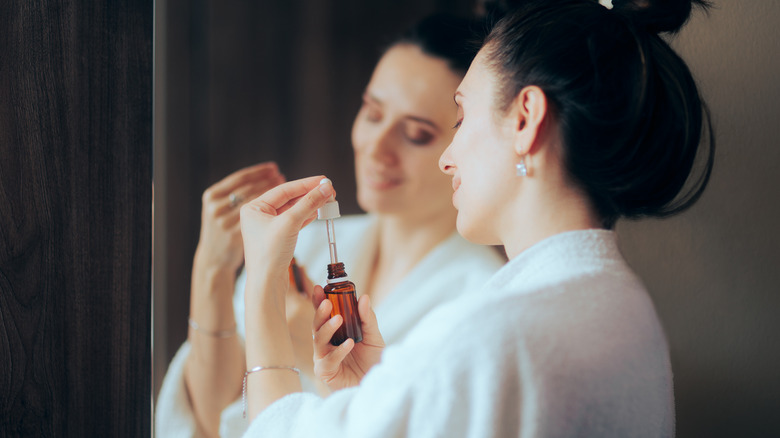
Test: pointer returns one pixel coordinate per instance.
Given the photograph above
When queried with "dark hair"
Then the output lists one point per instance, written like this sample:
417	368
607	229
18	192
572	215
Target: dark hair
630	115
451	38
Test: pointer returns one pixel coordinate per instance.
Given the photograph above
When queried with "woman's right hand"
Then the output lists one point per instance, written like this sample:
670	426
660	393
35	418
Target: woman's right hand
344	366
220	245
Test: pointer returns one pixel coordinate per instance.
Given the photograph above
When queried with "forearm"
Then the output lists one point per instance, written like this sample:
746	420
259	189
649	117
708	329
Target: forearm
215	365
268	344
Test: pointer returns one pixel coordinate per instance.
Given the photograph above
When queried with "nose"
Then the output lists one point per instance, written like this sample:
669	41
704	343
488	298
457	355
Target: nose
381	145
445	162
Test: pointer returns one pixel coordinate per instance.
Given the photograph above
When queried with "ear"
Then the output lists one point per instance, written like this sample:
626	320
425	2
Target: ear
529	110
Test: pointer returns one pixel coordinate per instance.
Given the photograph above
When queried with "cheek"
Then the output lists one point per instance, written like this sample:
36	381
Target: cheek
484	190
358	133
425	164
475	212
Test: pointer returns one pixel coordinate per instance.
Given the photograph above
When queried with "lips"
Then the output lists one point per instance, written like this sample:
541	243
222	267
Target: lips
380	180
455	183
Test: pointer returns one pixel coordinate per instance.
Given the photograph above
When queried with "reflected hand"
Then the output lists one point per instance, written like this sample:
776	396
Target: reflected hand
220	244
344	366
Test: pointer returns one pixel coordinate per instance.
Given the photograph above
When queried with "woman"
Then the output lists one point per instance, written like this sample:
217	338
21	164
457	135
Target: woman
405	254
570	117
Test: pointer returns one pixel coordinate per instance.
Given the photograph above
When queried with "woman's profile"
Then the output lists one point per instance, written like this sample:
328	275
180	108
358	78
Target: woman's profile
572	116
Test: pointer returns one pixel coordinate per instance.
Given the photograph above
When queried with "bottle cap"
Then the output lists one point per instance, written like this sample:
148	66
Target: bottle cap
329	210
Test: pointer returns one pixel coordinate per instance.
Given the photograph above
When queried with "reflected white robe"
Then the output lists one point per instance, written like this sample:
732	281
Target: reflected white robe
563	341
455	267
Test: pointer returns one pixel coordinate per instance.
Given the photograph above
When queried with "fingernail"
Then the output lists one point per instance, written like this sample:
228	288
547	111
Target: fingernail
326	187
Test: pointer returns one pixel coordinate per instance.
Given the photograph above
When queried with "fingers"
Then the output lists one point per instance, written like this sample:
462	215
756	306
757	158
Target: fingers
324	327
321	317
223	198
245	193
282	194
327	367
298	199
317	296
247	175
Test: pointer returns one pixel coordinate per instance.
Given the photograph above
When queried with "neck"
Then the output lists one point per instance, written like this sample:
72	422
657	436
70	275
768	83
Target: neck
553	213
404	242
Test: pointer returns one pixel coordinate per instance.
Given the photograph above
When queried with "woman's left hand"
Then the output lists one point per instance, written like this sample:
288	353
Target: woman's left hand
270	225
344	366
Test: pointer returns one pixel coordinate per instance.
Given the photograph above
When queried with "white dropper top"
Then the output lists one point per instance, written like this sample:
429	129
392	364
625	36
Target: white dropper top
328	212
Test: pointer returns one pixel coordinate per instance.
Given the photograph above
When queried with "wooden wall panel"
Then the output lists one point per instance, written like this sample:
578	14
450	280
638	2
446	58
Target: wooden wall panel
75	218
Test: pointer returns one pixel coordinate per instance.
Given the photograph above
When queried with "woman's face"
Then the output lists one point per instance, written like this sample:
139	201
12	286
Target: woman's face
399	133
481	159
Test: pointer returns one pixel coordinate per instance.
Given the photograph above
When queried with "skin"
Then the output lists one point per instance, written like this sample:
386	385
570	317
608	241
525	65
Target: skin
403	126
215	364
494	206
401	129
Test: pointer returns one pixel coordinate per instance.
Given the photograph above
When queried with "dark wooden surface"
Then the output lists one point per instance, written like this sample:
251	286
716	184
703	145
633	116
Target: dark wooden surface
75	218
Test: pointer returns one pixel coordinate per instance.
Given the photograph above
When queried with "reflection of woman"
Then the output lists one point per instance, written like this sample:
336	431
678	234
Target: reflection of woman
406	254
570	117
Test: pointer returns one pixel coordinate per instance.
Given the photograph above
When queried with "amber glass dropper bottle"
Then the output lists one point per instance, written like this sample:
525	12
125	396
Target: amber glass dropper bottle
339	290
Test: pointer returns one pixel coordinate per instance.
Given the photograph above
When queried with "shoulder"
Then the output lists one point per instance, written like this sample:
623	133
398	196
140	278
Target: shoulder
587	304
456	260
586	316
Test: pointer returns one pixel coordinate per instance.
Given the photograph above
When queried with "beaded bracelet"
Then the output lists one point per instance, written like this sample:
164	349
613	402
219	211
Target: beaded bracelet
255	369
216	334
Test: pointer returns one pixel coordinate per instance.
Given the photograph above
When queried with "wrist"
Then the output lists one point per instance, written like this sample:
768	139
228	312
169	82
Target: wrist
211	298
205	260
268	341
266	287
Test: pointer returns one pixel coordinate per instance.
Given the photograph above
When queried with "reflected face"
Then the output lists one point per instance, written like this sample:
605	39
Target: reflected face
481	159
399	133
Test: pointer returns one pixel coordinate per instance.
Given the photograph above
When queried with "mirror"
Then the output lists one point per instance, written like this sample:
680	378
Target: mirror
242	83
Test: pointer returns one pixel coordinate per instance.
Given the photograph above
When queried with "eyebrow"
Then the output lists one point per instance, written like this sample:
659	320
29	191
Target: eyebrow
369	96
424	121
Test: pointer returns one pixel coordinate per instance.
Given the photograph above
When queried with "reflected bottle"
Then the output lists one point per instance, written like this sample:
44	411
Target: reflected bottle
341	294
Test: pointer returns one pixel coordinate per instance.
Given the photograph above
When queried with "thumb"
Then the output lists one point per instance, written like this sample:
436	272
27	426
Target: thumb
369	323
305	209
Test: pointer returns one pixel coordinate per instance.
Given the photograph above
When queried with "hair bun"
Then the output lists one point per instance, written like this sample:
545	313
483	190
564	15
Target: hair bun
658	16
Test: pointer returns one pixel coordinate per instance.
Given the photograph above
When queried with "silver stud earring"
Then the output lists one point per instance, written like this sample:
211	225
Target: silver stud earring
521	169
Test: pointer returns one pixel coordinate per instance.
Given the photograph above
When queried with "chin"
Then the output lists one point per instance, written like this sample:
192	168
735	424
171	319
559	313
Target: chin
371	202
474	232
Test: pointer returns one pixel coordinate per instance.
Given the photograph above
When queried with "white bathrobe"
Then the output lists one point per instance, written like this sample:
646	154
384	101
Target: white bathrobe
455	267
563	341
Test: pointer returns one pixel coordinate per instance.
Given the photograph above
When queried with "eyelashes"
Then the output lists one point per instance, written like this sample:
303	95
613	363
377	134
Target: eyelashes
420	138
410	131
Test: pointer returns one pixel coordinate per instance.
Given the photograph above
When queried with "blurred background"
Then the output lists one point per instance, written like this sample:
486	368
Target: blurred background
242	82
